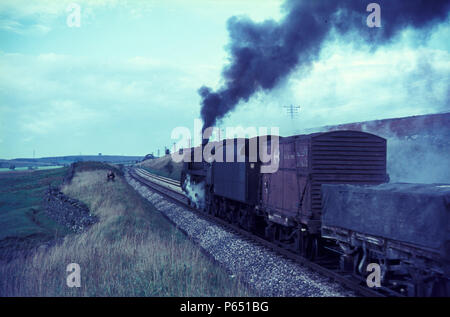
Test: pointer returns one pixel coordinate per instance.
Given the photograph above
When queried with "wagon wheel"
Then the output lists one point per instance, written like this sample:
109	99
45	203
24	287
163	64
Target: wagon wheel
216	207
208	207
222	210
251	222
209	202
245	219
315	248
270	232
301	242
309	246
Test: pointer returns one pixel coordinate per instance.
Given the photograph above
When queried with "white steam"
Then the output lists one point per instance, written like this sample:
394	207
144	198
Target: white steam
418	147
422	156
195	192
419	159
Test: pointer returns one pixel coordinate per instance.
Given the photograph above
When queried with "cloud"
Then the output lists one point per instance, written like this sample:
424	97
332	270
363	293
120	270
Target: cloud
89	101
50	8
60	115
351	83
102	91
31	78
37	17
139	62
19	28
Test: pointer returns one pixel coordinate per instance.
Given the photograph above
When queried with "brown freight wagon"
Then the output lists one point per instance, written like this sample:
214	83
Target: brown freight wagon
292	195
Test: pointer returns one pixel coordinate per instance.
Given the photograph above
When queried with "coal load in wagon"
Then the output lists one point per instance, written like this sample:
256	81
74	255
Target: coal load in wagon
414	213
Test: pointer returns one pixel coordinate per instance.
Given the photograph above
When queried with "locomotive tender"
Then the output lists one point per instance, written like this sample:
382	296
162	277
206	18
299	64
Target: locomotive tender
286	206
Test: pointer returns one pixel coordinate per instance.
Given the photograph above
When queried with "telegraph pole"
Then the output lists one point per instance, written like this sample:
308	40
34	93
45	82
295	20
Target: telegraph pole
292	110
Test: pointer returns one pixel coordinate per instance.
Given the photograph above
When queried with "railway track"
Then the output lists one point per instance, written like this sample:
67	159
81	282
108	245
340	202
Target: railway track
171	189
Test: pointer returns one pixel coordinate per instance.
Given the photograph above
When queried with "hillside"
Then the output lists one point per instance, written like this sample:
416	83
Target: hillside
67	160
163	166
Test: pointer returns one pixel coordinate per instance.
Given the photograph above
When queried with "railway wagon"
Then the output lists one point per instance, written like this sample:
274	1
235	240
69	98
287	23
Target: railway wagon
236	175
291	197
405	228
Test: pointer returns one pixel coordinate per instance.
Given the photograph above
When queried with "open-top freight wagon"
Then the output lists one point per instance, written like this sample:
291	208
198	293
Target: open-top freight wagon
404	228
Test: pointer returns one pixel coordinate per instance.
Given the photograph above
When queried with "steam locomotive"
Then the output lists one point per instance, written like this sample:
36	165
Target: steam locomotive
329	197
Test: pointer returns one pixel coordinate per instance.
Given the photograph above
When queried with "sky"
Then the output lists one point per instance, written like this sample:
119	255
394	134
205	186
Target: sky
122	81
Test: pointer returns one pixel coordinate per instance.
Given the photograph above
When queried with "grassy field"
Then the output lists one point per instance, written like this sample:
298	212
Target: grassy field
131	251
23	222
5	169
163	166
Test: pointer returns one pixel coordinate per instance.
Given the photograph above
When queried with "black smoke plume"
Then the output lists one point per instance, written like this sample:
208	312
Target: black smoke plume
261	54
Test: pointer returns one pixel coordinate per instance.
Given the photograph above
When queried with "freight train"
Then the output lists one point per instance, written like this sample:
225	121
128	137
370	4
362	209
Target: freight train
330	197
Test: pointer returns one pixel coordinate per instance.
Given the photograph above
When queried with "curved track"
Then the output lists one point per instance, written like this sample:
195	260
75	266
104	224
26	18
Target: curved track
171	189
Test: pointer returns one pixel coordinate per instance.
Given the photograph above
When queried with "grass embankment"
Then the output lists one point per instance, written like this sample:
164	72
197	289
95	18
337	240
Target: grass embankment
163	166
131	251
23	221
